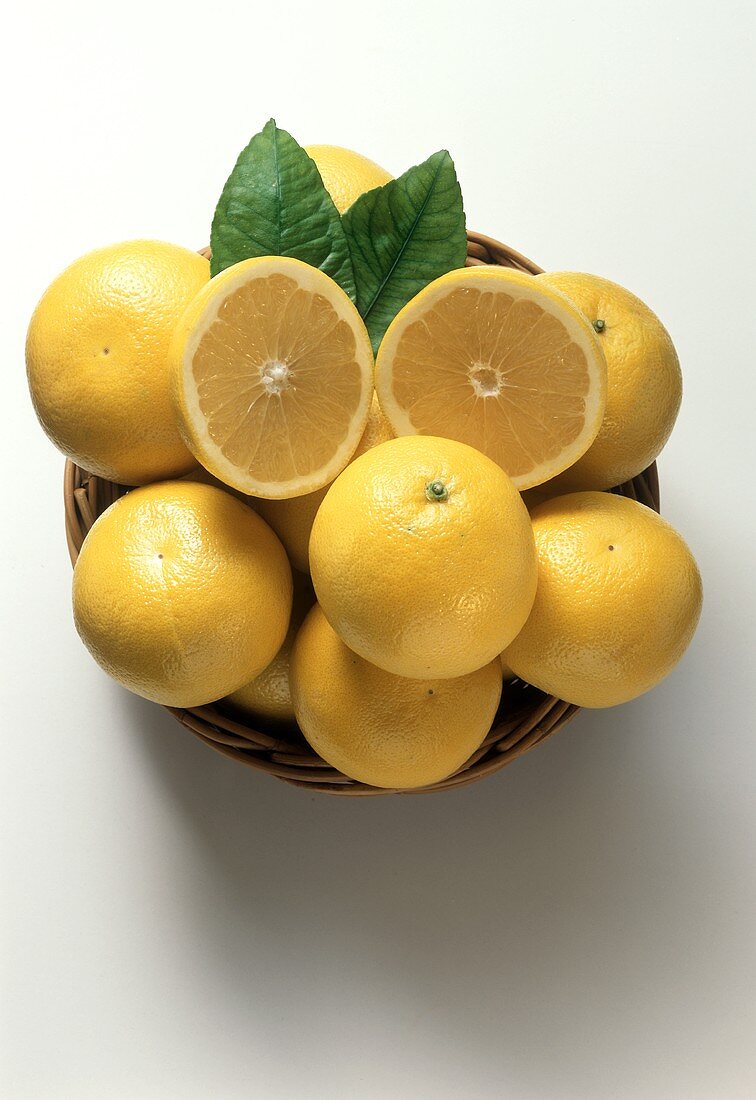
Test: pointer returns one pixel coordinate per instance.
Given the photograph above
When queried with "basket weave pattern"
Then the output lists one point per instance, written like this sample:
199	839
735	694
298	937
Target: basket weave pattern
526	716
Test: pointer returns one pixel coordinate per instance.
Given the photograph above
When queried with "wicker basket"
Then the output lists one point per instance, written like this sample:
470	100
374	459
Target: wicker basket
526	717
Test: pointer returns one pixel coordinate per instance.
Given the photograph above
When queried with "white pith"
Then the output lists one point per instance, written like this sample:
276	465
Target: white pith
275	377
481	381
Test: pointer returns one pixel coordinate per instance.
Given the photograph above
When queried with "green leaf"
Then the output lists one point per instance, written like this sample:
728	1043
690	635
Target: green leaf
275	204
402	236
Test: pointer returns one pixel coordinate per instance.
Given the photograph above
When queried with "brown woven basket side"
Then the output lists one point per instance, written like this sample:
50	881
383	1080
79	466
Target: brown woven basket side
526	716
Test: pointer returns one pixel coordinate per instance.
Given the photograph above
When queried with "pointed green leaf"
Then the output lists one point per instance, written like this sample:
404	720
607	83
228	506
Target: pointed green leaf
402	236
275	204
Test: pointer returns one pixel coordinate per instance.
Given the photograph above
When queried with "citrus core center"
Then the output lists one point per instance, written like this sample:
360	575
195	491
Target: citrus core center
485	380
275	377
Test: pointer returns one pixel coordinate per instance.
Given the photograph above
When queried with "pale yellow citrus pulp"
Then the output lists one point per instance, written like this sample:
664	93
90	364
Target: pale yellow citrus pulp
498	360
272	377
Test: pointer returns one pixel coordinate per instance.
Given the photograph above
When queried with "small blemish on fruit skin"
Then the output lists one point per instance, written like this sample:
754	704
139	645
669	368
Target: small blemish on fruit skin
106	351
430	691
160	556
611	547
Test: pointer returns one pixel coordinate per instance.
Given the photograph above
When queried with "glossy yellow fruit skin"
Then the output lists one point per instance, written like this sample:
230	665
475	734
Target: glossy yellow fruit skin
97	359
619	596
644	383
346	174
292	519
204	477
268	696
182	593
421	587
382	729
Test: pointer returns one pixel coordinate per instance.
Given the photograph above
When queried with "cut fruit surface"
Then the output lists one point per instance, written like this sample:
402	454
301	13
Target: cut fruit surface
492	358
272	377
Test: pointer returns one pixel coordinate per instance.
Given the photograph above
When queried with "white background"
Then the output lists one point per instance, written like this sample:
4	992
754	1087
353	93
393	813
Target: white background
579	926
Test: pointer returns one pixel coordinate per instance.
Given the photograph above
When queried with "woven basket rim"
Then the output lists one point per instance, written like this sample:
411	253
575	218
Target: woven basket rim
526	717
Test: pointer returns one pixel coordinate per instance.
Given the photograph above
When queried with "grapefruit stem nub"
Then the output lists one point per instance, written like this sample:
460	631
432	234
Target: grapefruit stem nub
436	491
